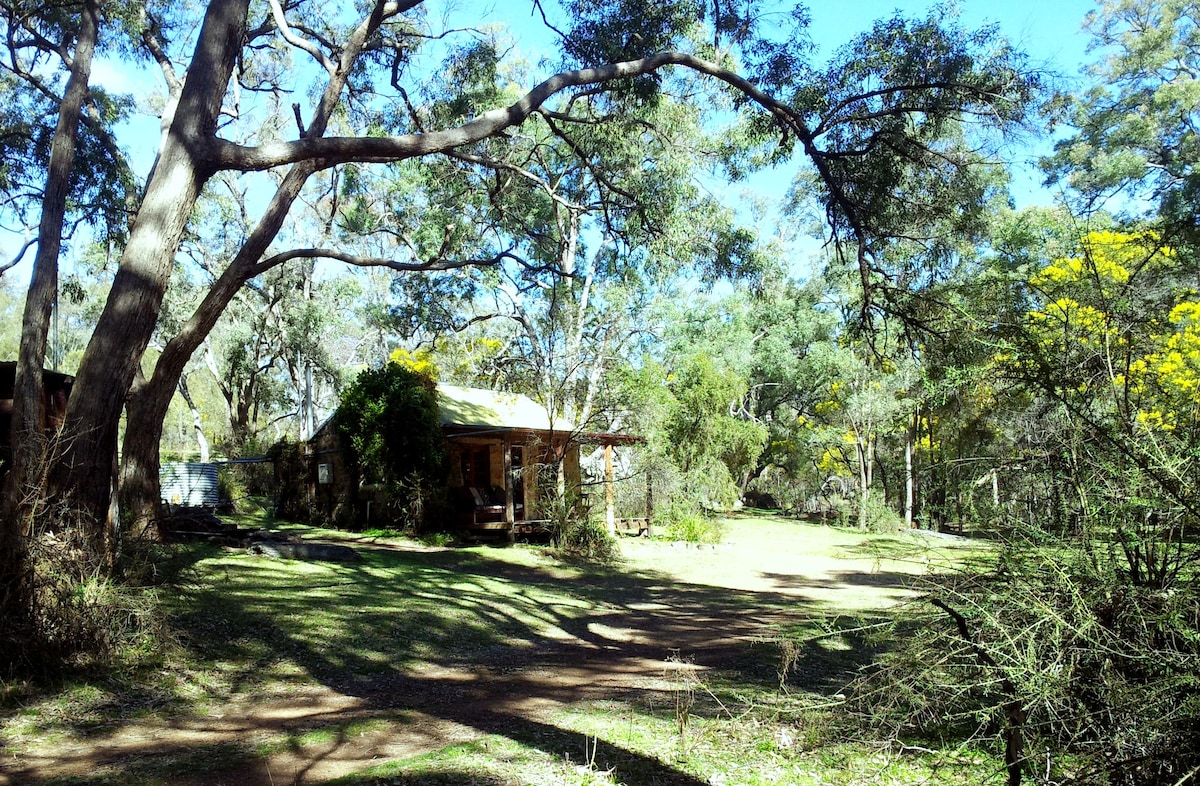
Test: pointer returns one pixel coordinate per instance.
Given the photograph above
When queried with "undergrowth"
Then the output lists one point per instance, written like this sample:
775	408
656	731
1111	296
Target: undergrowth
681	523
576	532
1053	659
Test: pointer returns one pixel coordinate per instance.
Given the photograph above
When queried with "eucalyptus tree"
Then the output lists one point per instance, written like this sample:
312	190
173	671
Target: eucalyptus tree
868	118
45	75
1136	128
791	331
597	214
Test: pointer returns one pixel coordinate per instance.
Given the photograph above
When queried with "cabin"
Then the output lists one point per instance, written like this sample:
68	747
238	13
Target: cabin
56	388
504	454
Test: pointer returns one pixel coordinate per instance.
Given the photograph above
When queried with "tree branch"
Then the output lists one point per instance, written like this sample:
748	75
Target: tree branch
362	261
329	151
1014	742
312	49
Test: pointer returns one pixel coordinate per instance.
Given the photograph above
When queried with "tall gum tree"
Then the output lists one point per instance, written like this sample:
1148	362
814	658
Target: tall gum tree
29	448
907	78
593	233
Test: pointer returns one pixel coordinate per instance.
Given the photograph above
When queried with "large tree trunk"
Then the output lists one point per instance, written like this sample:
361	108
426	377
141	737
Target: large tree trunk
29	416
139	481
23	487
83	477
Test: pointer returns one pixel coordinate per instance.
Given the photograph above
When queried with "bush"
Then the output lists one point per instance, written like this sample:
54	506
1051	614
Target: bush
689	526
876	514
1057	651
416	501
575	531
81	616
391	431
230	489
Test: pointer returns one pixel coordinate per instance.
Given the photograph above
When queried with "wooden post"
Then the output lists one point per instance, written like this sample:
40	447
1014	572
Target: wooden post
609	514
570	480
530	458
510	514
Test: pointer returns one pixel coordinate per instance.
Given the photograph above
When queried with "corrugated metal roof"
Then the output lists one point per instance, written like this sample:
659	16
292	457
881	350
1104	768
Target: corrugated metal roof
493	409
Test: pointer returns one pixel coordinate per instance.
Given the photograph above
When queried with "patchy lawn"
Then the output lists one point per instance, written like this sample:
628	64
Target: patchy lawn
489	665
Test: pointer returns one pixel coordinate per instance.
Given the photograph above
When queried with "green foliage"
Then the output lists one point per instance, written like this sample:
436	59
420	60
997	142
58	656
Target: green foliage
1103	670
391	427
875	515
231	489
682	523
1135	127
576	531
102	183
709	444
609	32
1082	639
900	177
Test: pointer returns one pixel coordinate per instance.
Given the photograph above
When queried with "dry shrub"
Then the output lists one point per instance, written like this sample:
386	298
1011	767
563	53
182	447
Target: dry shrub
78	611
82	616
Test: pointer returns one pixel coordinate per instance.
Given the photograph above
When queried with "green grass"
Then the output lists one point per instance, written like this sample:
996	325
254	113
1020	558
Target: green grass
412	617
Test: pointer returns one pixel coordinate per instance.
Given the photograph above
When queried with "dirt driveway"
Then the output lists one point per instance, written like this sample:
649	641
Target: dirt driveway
674	610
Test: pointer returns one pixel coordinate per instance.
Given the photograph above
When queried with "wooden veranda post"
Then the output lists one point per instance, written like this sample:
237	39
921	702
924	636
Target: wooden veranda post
649	497
510	512
530	457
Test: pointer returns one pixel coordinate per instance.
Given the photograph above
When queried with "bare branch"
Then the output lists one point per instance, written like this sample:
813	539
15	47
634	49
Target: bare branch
299	119
831	115
312	49
16	260
537	4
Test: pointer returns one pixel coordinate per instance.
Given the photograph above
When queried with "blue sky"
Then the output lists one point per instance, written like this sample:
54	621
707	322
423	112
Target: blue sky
1048	30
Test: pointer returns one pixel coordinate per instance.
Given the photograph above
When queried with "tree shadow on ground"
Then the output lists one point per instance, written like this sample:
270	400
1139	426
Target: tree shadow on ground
861	578
446	639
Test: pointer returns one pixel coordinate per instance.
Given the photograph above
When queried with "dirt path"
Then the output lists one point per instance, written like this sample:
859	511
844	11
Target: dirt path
634	651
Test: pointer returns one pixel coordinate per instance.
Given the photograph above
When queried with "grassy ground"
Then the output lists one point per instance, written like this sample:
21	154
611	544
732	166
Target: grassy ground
686	665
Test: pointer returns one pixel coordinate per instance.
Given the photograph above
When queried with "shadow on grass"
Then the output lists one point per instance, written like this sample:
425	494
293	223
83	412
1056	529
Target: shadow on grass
858	578
447	777
460	639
